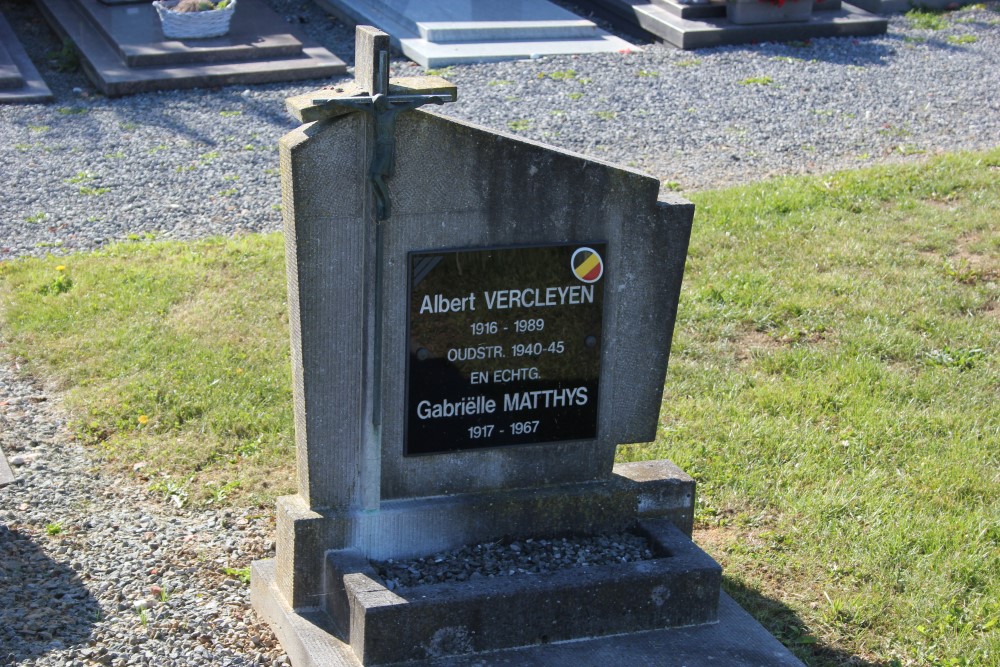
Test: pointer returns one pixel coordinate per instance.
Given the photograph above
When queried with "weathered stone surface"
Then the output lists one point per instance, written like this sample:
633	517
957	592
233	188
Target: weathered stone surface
679	588
457	185
662	490
407	528
736	640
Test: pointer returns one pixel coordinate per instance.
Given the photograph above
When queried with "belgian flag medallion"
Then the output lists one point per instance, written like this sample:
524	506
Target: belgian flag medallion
587	265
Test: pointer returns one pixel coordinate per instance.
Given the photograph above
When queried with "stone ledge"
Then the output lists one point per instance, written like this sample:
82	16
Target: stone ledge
679	587
663	491
422	526
19	79
736	640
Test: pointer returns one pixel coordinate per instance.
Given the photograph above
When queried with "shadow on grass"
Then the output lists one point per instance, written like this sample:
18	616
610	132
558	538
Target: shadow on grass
43	604
782	622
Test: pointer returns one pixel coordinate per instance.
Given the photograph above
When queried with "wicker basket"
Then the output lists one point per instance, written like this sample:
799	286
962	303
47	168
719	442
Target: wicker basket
194	25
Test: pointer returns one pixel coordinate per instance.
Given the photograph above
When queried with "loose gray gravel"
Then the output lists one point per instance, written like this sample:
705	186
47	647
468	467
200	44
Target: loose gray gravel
93	570
86	169
511	558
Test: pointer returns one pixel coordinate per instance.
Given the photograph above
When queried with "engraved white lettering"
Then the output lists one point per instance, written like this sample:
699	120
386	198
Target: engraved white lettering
463	407
515	374
545	398
441	304
474	353
537	297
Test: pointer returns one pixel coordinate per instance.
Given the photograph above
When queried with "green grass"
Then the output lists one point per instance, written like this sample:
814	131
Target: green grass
241	573
833	387
960	40
189	338
757	81
926	20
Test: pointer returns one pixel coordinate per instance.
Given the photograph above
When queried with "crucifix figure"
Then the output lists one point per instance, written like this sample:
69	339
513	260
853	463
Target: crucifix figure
371	77
374	93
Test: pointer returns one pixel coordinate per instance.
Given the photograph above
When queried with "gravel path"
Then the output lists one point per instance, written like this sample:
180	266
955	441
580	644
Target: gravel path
93	570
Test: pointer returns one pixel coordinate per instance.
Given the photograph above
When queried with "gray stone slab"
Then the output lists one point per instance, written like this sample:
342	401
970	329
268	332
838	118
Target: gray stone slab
103	62
255	33
10	75
473	31
438	33
522	12
885	6
736	640
6	474
19	79
714	9
700	32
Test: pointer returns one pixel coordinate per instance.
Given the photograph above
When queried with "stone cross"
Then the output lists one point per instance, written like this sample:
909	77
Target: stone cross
371	75
373	93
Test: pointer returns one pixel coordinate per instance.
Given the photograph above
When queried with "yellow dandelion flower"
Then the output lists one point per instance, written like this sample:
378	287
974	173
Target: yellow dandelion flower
60	268
143	419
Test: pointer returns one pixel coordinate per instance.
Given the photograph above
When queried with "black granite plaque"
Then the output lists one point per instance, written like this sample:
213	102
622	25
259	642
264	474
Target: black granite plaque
505	346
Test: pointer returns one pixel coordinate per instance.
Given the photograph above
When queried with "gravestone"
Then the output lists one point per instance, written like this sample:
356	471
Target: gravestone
123	49
477	321
437	33
696	24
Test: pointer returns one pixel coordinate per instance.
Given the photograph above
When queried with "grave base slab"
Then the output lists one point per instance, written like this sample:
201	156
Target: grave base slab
120	55
419	527
678	587
736	640
446	32
19	80
705	25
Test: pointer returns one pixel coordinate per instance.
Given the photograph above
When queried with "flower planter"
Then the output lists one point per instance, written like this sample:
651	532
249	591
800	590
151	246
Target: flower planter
193	25
768	11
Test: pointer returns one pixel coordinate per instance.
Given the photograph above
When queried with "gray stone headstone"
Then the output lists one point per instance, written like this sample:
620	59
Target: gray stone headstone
381	200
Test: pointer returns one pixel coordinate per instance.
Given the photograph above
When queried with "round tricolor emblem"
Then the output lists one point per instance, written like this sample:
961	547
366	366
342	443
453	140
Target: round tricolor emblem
587	265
